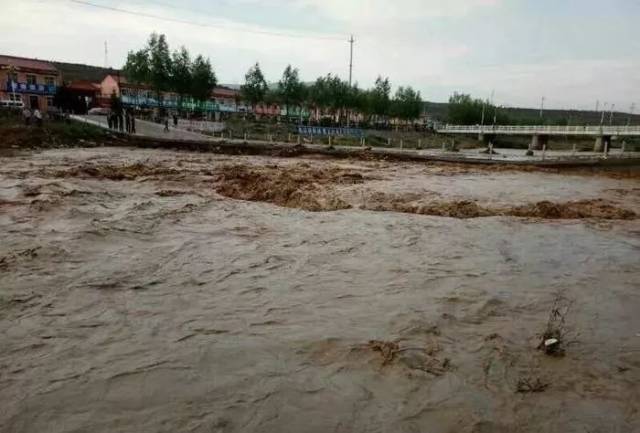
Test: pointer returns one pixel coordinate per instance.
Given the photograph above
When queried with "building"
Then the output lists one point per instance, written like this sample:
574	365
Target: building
222	100
83	95
228	100
32	81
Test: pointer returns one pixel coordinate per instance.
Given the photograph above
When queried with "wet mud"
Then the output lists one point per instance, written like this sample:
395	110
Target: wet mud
299	186
596	208
158	291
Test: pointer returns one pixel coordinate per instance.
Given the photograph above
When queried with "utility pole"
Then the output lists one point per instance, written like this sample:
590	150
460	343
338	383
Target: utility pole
351	41
613	106
631	110
542	107
602	117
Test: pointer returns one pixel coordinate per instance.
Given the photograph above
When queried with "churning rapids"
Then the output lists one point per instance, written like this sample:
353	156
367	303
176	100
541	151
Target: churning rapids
160	291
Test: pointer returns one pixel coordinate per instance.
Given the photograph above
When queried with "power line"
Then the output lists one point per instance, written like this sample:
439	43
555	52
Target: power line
193	23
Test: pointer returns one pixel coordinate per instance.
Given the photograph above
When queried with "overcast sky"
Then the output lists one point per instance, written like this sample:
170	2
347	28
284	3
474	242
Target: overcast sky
573	52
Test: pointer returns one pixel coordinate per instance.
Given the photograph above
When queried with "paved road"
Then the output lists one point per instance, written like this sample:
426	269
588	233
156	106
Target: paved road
149	129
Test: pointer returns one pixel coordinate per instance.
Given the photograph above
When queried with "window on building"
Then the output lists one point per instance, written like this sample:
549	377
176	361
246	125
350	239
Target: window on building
15	97
31	79
12	76
49	101
49	81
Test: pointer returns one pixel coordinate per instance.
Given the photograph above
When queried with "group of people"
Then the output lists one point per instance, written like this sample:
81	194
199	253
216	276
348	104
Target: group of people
122	123
30	117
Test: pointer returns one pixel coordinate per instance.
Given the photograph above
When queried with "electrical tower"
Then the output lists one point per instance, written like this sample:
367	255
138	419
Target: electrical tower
106	55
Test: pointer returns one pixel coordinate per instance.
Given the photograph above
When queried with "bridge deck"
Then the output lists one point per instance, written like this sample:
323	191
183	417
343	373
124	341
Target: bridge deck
594	131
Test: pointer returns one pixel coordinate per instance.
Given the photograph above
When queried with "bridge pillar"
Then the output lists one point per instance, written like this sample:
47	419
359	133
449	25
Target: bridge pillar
483	137
537	141
601	142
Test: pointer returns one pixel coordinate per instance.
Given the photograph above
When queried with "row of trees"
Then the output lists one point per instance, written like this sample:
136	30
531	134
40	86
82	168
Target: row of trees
156	66
465	110
332	95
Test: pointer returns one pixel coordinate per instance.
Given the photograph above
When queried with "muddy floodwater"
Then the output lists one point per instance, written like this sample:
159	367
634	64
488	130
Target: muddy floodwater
160	291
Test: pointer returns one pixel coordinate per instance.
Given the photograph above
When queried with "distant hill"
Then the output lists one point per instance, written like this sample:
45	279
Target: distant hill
76	71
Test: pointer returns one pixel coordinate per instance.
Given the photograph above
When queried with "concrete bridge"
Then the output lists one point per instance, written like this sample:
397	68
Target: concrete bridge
540	134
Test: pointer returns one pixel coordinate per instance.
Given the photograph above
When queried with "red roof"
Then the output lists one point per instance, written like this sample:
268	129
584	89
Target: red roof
225	92
84	85
24	63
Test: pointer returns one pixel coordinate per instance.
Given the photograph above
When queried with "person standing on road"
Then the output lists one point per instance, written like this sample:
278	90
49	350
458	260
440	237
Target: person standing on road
110	120
166	124
38	115
26	115
175	121
133	123
127	121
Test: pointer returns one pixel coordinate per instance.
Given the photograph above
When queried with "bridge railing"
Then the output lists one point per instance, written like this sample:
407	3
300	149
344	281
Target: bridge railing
541	129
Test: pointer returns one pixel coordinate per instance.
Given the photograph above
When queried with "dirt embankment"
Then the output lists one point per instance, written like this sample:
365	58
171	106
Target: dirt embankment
117	172
464	209
300	186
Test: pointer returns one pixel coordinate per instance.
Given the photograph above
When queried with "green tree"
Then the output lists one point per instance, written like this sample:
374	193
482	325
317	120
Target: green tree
380	97
332	94
159	64
255	87
181	79
151	65
407	104
203	79
339	95
137	67
362	100
318	95
465	110
272	96
290	89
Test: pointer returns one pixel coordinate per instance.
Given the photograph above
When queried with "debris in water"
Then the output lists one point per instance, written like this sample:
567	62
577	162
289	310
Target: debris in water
388	349
554	336
527	385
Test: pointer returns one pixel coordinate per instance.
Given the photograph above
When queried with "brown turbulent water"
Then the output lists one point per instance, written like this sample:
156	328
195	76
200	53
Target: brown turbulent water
156	291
